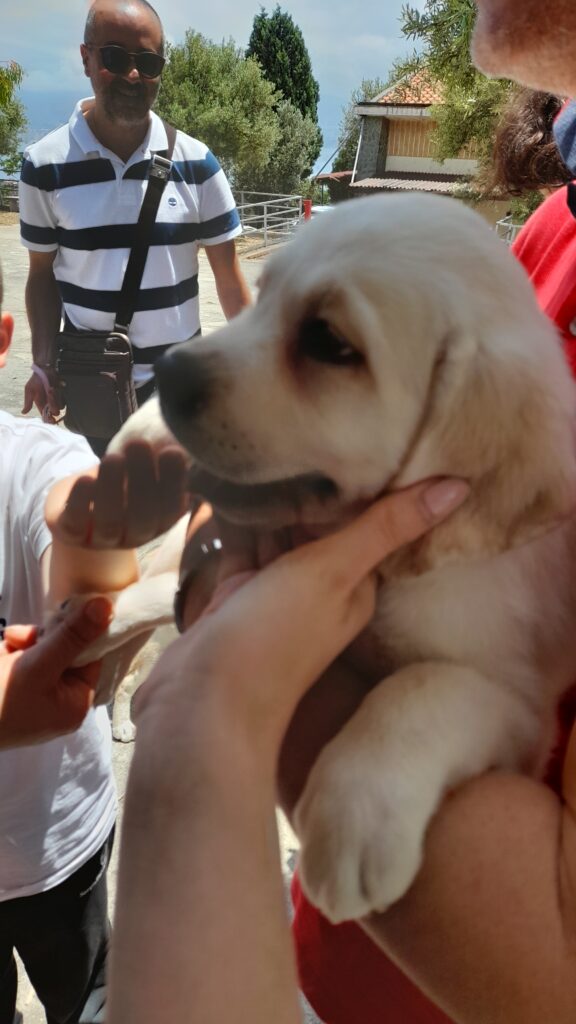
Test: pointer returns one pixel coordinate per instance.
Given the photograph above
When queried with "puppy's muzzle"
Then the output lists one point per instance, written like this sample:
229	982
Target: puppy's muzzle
185	381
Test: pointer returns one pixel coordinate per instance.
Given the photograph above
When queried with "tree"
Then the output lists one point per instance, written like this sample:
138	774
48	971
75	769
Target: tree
349	131
471	103
12	117
291	158
210	91
278	46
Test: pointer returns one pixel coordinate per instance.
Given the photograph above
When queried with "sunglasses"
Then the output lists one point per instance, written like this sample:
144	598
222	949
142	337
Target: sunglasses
118	61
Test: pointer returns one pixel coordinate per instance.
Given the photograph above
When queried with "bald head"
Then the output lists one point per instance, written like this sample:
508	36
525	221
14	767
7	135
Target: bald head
102	10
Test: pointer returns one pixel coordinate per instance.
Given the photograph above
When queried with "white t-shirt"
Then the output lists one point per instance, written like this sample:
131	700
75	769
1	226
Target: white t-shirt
57	799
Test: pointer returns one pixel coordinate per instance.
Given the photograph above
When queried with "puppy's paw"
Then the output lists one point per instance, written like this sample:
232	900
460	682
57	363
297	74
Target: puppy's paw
361	839
124	732
146	424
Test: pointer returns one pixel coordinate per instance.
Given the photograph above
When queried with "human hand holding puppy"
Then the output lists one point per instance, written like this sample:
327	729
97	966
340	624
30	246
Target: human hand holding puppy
219	700
495	876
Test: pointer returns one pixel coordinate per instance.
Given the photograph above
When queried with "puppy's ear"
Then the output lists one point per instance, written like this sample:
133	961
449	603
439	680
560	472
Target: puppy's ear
506	424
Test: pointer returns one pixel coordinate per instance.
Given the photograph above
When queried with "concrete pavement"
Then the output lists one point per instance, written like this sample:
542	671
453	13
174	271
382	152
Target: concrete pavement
14	259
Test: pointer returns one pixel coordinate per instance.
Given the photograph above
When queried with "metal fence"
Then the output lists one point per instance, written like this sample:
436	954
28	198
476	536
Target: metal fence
9	195
267	218
507	230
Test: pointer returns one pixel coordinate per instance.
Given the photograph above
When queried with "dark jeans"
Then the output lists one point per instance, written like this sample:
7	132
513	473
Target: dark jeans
143	393
62	939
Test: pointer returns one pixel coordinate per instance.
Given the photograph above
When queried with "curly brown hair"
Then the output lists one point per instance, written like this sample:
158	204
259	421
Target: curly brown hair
525	155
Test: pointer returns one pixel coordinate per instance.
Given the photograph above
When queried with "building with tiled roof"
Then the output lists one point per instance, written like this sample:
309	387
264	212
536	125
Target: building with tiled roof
416	90
395	150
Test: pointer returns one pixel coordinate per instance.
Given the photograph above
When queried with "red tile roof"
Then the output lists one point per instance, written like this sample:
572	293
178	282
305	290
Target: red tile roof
333	176
417	90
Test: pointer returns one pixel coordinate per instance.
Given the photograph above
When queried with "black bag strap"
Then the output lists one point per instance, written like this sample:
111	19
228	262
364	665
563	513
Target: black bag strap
158	175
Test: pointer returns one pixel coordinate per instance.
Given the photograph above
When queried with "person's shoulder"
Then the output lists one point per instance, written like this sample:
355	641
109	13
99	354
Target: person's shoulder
51	148
190	148
41	441
551	224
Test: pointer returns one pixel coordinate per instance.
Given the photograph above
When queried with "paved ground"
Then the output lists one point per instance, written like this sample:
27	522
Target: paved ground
14	263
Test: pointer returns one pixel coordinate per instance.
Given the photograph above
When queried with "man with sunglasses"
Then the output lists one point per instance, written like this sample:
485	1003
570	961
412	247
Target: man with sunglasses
81	191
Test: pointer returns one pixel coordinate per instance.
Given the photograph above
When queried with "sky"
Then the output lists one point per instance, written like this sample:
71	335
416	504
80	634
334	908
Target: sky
346	44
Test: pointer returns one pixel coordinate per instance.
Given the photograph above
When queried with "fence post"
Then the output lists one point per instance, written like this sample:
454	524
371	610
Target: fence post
265	224
307	204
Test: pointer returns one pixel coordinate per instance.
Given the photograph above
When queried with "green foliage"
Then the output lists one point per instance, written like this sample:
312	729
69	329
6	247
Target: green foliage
469	116
278	46
210	91
291	158
349	131
310	189
12	117
443	29
522	207
471	103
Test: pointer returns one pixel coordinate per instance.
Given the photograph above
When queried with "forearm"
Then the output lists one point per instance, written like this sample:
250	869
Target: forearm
201	932
44	310
78	569
234	296
486	931
233	291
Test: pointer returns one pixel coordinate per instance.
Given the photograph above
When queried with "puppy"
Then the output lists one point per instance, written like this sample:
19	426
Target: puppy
397	339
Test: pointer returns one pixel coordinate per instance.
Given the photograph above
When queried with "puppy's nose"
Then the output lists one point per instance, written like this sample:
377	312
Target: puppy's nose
184	381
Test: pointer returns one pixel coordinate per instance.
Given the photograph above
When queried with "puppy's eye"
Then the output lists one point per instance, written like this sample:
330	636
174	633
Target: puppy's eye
317	341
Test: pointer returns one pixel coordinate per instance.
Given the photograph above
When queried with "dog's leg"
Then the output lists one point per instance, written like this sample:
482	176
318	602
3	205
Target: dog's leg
364	812
123	728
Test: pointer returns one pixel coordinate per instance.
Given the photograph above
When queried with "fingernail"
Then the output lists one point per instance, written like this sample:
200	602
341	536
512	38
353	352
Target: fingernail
445	496
98	610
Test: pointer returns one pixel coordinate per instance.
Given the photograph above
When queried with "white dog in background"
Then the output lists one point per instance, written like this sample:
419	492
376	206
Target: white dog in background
396	339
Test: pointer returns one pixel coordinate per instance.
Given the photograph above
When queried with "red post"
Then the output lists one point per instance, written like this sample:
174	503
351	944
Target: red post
307	207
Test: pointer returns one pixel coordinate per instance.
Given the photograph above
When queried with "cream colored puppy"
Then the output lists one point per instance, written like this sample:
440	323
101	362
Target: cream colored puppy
397	339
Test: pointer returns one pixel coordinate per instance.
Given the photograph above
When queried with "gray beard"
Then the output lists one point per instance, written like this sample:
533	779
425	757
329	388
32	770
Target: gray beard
127	110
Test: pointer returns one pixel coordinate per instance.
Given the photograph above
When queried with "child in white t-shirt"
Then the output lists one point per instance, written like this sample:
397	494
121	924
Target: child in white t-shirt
57	798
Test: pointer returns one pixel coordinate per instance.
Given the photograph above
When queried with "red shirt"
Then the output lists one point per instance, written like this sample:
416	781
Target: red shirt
344	976
546	247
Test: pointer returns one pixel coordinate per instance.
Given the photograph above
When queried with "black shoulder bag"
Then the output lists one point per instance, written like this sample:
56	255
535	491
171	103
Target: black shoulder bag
94	368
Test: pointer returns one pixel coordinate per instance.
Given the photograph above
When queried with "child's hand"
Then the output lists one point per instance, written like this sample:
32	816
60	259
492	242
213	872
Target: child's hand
131	499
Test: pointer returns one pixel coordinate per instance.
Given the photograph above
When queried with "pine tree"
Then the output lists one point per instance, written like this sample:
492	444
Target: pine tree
278	46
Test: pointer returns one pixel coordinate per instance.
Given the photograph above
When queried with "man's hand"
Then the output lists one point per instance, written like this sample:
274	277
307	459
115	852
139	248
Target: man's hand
45	399
41	695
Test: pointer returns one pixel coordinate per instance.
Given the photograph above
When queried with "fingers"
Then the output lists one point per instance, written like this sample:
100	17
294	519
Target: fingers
59	648
390	524
173	499
134	498
108	525
18	638
74	524
569	774
34	394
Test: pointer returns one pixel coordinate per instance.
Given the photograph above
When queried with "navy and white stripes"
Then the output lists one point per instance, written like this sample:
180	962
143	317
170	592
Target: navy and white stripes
81	201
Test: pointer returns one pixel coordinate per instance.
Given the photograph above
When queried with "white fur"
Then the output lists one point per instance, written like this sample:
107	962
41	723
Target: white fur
474	629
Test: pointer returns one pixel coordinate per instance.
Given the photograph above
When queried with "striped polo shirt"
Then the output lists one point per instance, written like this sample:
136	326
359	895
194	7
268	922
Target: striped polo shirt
81	200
